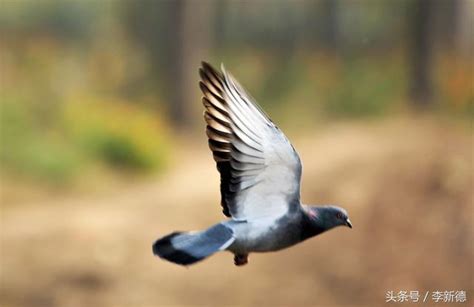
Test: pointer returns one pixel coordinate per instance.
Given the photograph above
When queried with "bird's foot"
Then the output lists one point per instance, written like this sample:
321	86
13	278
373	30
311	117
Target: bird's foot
240	260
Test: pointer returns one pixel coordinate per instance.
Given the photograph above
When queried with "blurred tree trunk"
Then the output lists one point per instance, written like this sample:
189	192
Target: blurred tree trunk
190	23
464	40
447	27
421	53
176	35
219	22
330	26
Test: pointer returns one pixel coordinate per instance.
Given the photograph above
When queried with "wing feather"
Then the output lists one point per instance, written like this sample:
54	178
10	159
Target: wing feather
260	170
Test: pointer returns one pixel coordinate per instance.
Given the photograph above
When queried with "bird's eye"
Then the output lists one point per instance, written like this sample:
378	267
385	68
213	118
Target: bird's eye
339	215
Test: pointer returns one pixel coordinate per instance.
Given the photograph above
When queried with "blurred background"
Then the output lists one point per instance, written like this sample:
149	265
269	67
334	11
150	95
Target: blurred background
102	147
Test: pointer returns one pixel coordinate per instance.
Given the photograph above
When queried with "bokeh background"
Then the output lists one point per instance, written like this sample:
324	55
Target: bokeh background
103	147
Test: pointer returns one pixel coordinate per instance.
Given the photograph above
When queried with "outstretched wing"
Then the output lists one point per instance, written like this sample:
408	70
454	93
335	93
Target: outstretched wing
260	170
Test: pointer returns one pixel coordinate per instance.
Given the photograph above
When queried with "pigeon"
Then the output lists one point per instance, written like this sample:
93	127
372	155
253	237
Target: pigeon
260	175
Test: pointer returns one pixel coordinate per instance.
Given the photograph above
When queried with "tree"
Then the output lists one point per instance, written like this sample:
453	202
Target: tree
330	35
176	35
421	53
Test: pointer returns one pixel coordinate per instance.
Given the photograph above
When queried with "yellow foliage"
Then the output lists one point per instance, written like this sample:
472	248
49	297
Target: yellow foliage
117	132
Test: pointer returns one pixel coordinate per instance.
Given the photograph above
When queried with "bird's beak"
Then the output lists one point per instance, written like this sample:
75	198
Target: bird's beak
348	223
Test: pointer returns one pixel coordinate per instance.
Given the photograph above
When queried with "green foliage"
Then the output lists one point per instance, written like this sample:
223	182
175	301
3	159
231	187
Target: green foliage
364	88
44	159
33	151
317	86
52	16
117	134
78	137
120	151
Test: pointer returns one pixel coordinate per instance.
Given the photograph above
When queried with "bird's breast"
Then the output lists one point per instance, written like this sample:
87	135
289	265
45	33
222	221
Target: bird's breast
265	235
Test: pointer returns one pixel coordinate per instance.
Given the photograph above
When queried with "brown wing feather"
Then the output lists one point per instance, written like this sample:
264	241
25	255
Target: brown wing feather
260	170
218	128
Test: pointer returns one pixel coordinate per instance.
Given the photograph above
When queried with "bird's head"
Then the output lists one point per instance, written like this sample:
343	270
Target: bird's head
328	216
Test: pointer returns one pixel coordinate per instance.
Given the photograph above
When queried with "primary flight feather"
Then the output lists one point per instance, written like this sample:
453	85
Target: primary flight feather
260	182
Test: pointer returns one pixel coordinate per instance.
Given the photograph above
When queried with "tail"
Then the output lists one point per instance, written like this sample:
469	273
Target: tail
190	247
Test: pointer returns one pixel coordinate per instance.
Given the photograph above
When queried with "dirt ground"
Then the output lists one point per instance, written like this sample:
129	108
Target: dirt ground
406	183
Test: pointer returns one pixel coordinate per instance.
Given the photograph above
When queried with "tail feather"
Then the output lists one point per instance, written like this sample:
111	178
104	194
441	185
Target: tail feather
187	247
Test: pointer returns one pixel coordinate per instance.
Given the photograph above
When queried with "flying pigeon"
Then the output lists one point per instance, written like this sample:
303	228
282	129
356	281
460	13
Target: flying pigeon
260	175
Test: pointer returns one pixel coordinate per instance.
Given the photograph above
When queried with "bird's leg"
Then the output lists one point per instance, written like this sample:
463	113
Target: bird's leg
240	260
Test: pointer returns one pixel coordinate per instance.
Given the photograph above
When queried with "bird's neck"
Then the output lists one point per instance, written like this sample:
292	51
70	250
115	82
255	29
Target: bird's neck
312	225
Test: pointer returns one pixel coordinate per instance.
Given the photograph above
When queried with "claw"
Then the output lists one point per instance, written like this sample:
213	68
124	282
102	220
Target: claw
240	260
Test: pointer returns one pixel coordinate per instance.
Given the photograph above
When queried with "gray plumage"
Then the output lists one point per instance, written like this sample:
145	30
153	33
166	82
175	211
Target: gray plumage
260	182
